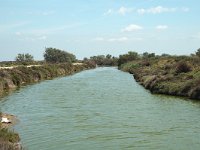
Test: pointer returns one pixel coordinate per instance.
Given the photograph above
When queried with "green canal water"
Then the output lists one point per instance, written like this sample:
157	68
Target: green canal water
101	109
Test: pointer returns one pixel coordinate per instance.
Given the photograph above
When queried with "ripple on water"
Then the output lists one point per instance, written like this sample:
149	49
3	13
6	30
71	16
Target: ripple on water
102	108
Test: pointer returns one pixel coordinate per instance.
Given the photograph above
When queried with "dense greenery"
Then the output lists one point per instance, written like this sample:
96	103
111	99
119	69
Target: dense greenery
8	135
12	78
18	63
53	55
127	57
26	71
8	138
198	52
173	75
102	60
24	58
165	74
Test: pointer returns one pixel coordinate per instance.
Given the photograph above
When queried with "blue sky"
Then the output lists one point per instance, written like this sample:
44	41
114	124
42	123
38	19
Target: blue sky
93	27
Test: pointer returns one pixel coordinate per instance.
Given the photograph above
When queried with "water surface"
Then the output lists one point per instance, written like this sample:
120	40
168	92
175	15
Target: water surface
101	109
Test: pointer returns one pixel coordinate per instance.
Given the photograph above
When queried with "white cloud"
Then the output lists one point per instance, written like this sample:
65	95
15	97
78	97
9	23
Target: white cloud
18	33
137	39
123	10
141	11
197	36
121	39
156	10
4	27
28	37
99	39
117	39
185	9
132	27
109	12
153	10
162	27
42	37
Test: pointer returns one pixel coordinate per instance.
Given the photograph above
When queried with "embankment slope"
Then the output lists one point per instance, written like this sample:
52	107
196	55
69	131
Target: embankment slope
178	76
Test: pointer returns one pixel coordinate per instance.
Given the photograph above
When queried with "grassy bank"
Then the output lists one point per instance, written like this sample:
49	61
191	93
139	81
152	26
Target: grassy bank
172	75
9	140
16	77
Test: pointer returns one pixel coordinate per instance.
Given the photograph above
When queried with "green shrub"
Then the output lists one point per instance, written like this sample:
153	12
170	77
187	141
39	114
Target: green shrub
9	140
183	67
16	79
8	135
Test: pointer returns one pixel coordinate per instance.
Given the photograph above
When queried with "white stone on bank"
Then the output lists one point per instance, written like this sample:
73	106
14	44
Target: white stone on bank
5	120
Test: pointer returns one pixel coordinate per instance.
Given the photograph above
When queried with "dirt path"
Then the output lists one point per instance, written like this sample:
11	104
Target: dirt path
29	66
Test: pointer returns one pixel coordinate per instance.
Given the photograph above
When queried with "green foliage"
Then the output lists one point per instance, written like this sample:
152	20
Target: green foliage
102	60
183	67
130	66
8	135
127	57
7	138
148	55
53	55
24	58
13	78
16	78
198	52
165	55
108	56
173	75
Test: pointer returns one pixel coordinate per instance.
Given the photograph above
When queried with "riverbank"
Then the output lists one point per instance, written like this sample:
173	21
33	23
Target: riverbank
9	140
173	75
14	77
17	76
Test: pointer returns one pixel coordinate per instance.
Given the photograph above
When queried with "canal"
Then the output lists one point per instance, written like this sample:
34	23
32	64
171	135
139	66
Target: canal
101	109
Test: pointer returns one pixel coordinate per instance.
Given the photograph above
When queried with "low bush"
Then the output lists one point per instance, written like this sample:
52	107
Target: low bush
183	67
8	135
168	75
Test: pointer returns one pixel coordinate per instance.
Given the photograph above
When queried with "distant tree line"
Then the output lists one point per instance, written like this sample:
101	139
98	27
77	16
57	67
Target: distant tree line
54	55
51	55
102	60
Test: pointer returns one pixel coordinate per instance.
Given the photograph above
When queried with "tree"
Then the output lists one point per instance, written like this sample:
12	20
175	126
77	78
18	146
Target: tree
24	58
198	52
148	55
103	60
152	55
165	55
108	56
127	57
99	60
133	55
54	55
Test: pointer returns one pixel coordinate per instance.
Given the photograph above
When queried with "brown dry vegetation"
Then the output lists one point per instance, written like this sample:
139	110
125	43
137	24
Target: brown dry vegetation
16	77
172	75
9	140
